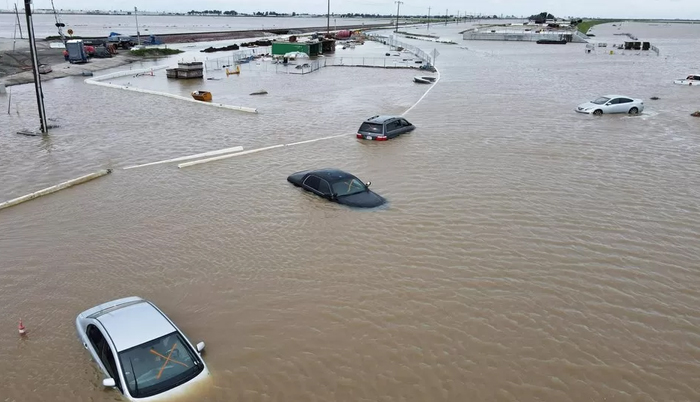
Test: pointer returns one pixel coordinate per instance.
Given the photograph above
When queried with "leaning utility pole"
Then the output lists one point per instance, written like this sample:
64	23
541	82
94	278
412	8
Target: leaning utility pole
398	6
18	23
138	34
35	66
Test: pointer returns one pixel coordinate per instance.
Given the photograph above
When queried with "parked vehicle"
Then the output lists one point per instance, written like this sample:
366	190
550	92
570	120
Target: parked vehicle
337	186
140	351
692	79
382	128
612	104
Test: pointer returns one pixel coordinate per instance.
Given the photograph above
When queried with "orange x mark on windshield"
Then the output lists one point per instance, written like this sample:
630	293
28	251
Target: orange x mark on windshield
167	359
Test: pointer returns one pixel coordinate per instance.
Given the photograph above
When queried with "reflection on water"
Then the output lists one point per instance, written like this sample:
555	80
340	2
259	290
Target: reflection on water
528	253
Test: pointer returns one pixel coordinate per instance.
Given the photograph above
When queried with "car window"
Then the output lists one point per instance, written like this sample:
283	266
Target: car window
625	100
312	182
371	128
391	126
159	365
324	187
615	101
601	101
405	123
104	352
348	186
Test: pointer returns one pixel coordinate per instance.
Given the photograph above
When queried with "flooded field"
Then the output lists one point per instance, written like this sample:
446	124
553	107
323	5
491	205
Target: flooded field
527	252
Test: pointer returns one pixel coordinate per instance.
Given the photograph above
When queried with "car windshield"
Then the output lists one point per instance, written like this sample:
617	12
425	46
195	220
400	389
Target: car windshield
159	365
371	127
601	101
348	186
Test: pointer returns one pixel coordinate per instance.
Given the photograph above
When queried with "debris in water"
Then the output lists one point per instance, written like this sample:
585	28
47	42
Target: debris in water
260	92
654	98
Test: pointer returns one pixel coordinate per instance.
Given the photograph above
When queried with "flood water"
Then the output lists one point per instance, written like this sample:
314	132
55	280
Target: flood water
527	253
97	25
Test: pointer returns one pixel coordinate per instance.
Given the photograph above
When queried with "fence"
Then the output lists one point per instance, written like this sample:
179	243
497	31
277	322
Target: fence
382	62
302	66
219	63
393	42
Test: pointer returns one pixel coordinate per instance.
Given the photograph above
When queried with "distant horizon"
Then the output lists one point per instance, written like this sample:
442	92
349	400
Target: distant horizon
324	15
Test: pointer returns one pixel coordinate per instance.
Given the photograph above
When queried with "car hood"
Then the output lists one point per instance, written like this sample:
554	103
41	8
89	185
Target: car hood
365	199
589	105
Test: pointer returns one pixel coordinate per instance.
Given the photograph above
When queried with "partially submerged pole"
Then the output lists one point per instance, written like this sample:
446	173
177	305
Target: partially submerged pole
138	34
35	67
328	19
55	188
398	7
18	23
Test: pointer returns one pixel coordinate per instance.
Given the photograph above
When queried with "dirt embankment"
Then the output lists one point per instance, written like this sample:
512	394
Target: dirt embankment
16	65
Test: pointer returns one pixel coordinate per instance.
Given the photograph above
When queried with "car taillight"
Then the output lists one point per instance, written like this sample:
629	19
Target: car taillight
381	138
359	135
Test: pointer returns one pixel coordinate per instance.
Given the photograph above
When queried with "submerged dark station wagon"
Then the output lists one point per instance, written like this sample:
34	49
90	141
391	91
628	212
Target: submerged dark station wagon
382	128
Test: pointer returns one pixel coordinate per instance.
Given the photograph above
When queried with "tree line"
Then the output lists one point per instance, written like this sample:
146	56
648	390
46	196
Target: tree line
348	15
235	13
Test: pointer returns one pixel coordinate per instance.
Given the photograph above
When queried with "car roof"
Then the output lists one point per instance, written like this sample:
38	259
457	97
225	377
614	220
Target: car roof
618	96
331	174
380	119
134	324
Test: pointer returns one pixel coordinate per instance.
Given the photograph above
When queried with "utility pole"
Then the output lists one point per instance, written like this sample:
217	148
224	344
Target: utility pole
35	66
428	19
457	17
398	7
138	34
18	23
446	14
328	19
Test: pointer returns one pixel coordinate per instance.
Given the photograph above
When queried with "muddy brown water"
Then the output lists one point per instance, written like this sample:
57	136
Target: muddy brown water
527	253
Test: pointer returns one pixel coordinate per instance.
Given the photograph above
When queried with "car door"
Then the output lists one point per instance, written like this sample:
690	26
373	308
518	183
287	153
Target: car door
625	105
612	106
405	126
324	189
312	183
103	354
393	128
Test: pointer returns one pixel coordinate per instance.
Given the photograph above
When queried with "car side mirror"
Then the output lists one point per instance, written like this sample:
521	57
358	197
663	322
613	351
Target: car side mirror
109	383
369	183
200	347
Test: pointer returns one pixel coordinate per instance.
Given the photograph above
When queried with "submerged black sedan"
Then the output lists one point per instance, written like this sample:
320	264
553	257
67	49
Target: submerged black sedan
336	185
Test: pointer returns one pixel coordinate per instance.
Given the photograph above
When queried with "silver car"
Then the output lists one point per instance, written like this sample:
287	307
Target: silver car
612	104
141	352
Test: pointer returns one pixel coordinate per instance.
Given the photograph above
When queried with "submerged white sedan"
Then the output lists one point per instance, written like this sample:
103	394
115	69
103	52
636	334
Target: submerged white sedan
612	104
139	350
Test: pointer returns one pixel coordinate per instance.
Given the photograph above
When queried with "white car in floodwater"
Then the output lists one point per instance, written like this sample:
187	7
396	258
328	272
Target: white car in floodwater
612	104
692	79
139	350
